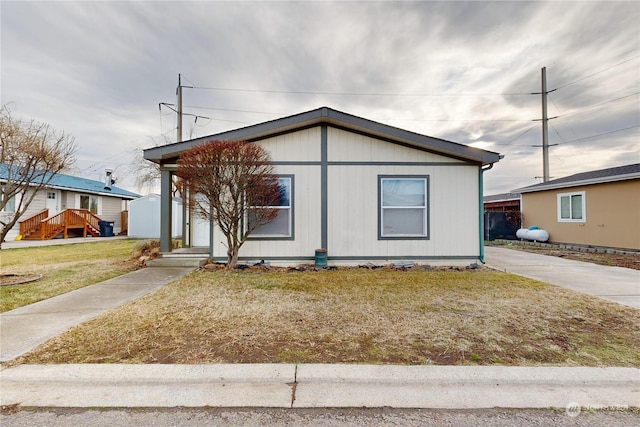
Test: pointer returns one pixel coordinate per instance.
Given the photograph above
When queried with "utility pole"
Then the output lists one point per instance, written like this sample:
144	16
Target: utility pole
179	93
545	129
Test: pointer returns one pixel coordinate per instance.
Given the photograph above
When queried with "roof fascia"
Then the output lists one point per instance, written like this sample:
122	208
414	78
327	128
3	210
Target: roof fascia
579	183
80	190
338	119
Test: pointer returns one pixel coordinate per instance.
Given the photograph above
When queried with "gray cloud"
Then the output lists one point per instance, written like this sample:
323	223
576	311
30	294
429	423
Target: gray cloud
99	70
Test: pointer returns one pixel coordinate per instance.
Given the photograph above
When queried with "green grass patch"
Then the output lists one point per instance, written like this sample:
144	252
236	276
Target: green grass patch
64	268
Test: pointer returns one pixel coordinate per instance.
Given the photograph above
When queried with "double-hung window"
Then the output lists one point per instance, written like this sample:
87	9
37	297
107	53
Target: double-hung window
403	204
282	226
571	207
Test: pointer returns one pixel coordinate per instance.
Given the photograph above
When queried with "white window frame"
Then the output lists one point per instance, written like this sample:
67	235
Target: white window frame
382	235
570	195
98	198
290	232
10	204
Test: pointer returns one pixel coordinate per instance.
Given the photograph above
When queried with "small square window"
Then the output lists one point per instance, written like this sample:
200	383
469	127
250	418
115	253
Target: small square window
571	207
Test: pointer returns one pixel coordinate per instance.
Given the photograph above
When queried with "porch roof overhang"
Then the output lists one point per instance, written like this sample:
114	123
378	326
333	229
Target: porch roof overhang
327	116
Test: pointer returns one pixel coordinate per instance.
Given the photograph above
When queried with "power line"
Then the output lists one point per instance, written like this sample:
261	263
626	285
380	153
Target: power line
595	105
600	134
597	72
388	119
517	137
234	111
359	93
572	140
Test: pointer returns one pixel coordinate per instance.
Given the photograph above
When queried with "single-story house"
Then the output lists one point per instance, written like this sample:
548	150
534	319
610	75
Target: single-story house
71	192
362	190
596	208
144	217
504	202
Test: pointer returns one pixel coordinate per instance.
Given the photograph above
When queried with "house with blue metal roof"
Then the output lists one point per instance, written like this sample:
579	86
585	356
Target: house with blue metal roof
68	202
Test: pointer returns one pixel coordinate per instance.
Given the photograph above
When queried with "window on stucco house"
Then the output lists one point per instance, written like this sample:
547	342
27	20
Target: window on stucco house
571	207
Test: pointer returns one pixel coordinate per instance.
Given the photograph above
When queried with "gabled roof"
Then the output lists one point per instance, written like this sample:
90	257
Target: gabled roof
83	185
619	173
328	116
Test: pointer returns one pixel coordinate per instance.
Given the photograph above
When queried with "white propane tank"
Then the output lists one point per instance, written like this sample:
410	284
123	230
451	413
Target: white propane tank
533	233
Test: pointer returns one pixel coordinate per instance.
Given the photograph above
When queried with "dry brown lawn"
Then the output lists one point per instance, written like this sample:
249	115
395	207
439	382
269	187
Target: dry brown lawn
356	316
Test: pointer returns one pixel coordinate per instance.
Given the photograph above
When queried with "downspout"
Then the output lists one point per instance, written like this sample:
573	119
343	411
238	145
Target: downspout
481	208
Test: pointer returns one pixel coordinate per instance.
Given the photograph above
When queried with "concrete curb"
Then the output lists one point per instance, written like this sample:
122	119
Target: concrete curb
313	386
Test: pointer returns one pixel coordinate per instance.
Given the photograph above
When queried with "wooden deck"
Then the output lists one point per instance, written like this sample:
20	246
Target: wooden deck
80	222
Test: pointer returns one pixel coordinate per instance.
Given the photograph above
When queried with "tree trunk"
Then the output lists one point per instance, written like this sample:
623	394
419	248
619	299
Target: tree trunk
232	257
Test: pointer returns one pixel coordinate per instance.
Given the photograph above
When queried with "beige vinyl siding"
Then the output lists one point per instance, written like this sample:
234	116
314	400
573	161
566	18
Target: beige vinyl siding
111	208
346	146
306	221
37	205
352	199
612	212
68	200
452	210
301	146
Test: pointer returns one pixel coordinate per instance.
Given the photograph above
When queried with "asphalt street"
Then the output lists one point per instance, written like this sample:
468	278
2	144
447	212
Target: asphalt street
317	417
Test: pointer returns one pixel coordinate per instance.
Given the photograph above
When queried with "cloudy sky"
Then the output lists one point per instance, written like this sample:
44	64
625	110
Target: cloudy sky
461	71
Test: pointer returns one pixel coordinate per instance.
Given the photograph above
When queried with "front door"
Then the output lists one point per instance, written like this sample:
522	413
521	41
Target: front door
53	202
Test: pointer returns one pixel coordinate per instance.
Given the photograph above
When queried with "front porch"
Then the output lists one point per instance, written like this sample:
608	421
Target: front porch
69	222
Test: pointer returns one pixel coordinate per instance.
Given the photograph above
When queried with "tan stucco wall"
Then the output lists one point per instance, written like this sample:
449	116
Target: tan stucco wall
612	215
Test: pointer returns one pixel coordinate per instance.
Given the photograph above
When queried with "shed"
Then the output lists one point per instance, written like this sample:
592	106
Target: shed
144	217
362	190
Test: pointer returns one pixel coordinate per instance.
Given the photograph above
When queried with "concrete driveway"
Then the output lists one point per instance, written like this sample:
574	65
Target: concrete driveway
617	284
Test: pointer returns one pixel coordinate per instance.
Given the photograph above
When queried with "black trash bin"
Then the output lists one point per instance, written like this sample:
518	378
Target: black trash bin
106	228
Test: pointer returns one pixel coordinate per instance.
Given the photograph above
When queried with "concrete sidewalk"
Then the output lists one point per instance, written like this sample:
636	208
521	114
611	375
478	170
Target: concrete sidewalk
24	328
318	386
621	285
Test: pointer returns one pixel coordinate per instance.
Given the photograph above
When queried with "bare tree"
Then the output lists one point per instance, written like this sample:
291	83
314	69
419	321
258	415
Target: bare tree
239	185
31	153
147	174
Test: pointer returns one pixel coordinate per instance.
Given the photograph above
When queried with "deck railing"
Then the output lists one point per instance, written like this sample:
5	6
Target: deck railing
31	224
62	222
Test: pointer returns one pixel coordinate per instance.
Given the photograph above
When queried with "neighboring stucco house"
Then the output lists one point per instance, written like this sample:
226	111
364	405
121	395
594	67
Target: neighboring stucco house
364	191
597	208
71	192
